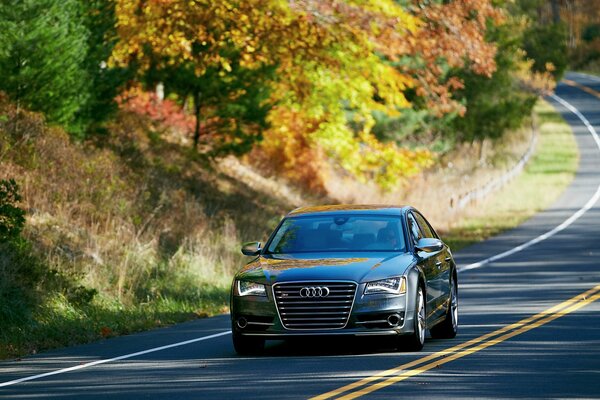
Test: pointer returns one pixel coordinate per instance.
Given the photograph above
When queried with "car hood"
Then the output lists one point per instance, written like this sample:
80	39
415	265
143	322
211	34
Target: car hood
357	267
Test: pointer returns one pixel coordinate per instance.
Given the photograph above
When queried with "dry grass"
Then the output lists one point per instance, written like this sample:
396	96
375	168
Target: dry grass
116	210
467	168
151	226
463	169
551	169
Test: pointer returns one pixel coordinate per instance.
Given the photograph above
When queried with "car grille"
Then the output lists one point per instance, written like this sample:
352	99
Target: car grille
329	312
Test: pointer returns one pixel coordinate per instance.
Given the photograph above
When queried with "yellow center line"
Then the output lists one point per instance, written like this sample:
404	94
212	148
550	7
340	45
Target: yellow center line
450	354
582	87
408	374
457	351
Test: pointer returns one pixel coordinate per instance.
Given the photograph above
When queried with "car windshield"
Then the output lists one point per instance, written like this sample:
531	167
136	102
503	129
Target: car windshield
338	233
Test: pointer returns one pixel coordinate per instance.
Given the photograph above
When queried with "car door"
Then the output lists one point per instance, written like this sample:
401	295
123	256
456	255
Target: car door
426	262
442	269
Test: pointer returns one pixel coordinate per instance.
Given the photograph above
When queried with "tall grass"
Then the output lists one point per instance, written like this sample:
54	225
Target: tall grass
125	233
464	168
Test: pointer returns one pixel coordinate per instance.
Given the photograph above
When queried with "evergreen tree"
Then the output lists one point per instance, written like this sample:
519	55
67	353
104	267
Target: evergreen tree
498	103
42	51
105	80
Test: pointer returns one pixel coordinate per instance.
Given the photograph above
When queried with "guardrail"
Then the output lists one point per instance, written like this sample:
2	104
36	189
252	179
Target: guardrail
459	202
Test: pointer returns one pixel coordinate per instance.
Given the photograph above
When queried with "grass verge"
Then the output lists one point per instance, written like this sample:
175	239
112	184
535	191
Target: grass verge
548	173
59	323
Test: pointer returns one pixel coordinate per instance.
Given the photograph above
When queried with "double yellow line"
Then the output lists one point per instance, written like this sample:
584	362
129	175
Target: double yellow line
582	87
405	371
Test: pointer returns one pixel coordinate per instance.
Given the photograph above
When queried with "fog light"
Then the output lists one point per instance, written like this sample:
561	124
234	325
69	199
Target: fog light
242	323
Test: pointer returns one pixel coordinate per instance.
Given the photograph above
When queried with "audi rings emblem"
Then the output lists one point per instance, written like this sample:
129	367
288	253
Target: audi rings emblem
314	291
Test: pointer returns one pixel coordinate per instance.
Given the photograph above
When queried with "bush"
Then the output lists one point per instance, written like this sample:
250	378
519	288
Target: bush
12	218
19	273
547	44
591	33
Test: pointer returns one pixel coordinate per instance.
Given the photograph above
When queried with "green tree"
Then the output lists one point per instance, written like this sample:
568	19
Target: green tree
42	51
498	103
547	44
104	80
12	218
231	107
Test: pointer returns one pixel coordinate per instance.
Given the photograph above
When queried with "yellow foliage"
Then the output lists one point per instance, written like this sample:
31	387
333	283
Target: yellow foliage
336	62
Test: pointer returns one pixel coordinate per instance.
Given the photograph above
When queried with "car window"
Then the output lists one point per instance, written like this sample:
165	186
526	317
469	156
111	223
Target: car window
425	228
415	231
338	233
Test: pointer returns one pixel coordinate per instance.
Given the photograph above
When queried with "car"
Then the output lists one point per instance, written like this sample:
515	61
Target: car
357	270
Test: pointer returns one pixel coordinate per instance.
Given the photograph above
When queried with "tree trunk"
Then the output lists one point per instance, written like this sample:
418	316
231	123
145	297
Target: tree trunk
197	114
482	151
555	11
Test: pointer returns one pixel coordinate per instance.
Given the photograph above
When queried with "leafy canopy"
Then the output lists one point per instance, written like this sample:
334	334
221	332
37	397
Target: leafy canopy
333	61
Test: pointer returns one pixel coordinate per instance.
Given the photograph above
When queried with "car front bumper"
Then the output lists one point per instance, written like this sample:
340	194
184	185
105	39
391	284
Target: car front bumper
371	315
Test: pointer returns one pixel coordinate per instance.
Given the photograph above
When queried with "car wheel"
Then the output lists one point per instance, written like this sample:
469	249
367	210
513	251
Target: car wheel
448	328
416	340
247	345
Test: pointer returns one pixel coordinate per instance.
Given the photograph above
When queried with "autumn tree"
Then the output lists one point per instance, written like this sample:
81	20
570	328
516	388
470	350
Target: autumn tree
449	45
203	51
334	66
452	37
230	106
545	37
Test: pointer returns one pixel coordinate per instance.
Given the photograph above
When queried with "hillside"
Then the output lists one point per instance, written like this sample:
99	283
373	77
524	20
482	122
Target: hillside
123	233
130	231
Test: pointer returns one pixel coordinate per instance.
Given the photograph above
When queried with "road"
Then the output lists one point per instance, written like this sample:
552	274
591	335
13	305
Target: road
529	325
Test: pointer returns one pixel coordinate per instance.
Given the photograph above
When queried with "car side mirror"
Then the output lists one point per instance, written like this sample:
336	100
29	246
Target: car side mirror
251	248
429	245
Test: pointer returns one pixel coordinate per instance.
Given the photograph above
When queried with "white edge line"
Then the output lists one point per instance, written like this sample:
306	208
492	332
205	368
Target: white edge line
589	76
98	362
567	222
479	264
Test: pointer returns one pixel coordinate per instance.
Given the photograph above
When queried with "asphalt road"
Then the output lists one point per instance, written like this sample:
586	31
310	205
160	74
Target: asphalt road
528	329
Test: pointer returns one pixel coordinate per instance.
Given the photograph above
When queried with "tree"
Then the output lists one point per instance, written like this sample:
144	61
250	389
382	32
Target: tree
452	37
333	66
98	17
545	37
449	46
547	46
230	105
42	51
497	103
12	218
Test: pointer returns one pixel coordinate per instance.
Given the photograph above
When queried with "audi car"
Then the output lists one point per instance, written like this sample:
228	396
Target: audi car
358	270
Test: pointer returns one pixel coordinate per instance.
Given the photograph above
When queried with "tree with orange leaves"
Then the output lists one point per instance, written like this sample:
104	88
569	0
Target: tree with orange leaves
336	63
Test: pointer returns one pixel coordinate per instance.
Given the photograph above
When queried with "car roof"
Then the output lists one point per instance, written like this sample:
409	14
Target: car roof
380	209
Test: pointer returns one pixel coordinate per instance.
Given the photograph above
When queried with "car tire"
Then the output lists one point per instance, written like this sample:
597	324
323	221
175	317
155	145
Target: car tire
448	328
247	345
416	340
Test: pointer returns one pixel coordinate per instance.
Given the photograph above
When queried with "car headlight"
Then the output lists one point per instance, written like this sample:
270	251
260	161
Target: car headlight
250	289
396	285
